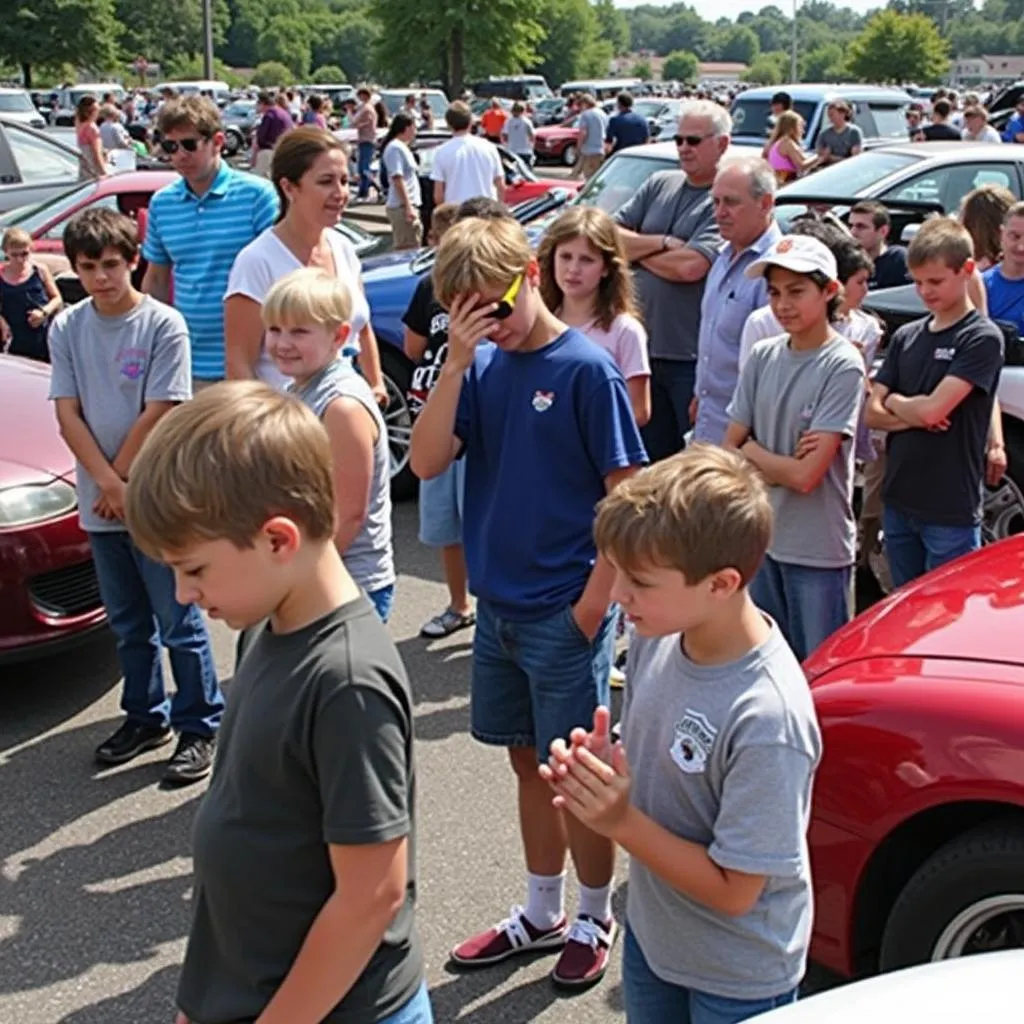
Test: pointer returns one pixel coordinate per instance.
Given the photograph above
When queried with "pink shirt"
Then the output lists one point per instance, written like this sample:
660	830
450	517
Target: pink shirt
626	342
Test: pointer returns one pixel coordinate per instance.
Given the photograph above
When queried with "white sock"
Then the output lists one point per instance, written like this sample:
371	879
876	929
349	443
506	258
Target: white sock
596	903
545	900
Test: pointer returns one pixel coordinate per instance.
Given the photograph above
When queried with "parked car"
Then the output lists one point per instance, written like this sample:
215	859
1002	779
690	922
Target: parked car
917	825
394	100
33	166
240	119
17	105
549	111
879	112
557	143
62	114
49	596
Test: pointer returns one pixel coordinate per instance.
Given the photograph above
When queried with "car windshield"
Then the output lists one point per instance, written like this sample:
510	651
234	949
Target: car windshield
32	218
619	178
753	117
240	109
16	103
649	108
890	122
851	177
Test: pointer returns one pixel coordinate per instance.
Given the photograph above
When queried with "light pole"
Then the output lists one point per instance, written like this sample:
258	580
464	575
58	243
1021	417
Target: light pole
208	40
793	51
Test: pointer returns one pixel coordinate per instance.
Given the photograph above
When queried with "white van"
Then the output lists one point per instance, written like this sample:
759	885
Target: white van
65	101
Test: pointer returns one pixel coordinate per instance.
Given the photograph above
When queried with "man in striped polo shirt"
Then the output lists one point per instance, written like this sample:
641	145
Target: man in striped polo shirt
198	225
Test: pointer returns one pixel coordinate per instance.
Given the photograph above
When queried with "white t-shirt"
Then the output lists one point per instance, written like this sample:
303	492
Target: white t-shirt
468	166
266	259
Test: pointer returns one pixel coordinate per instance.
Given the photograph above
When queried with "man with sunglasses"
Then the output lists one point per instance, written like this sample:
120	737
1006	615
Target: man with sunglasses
198	225
669	232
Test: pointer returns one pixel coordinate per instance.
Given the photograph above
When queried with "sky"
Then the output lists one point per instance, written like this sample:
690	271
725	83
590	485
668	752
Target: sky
712	10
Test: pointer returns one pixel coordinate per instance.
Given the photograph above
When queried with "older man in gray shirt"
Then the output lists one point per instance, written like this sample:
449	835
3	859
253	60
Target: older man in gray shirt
744	203
669	232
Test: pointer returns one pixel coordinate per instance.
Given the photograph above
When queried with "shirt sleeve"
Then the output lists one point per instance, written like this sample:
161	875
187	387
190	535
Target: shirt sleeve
760	325
170	376
838	407
858	136
888	373
250	276
632	349
153	248
741	408
437	171
705	238
62	369
360	757
466	416
417	316
980	358
265	209
609	429
393	162
762	819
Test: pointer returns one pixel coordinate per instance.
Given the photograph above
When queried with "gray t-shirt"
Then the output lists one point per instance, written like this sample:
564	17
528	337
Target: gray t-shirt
519	132
724	756
316	748
114	365
667	205
783	394
595	122
399	162
370	558
840	144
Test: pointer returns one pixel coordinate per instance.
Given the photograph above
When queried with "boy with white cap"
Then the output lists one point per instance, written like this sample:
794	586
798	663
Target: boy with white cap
794	416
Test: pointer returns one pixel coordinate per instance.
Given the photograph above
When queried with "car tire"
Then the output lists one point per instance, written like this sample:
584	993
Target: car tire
232	142
569	155
1003	508
397	372
968	897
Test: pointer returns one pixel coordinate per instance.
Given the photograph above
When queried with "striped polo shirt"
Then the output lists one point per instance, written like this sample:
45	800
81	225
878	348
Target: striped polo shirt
199	237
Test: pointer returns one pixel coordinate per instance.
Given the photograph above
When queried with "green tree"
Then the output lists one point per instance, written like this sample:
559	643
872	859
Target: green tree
823	64
571	32
898	48
737	43
288	40
613	26
349	40
772	28
687	30
768	69
168	30
681	66
642	69
272	74
647	30
51	32
327	74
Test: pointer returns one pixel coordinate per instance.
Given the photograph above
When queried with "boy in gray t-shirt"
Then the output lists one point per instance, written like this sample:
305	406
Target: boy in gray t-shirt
120	363
794	416
714	802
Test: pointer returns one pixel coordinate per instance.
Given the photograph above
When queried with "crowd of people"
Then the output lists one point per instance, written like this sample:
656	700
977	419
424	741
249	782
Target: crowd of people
656	415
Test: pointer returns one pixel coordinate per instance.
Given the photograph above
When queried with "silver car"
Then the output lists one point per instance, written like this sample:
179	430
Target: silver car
17	105
34	166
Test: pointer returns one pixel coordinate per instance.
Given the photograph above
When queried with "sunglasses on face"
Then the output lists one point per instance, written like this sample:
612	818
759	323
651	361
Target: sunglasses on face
169	146
691	140
507	303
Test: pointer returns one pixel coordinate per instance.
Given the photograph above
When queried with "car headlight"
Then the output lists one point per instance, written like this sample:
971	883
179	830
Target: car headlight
35	503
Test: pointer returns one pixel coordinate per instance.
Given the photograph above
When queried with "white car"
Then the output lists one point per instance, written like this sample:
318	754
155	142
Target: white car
17	105
63	113
982	989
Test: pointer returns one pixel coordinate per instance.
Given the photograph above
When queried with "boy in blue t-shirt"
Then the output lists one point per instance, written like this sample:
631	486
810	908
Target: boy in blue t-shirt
1004	283
544	419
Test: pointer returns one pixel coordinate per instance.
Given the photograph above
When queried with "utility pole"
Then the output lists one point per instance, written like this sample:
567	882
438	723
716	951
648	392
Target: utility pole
796	43
207	39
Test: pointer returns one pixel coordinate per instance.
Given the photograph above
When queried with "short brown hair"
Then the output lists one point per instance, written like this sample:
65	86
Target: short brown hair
476	254
441	219
218	467
876	211
296	153
459	116
941	239
701	511
1017	210
197	112
90	232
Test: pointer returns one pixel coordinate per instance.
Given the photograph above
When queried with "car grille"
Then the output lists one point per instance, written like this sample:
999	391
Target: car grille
73	590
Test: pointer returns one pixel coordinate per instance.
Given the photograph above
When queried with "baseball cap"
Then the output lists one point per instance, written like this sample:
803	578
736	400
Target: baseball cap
799	253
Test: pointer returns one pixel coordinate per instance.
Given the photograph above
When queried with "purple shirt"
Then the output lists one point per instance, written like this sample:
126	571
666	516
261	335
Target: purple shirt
273	124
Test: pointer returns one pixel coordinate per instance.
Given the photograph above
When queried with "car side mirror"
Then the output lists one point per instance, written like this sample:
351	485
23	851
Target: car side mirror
908	233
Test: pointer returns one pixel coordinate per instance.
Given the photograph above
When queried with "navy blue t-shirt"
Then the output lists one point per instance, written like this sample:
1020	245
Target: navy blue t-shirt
626	129
1005	298
540	431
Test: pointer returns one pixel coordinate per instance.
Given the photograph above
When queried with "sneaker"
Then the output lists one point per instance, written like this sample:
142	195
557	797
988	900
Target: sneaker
587	951
511	937
448	622
616	678
192	760
130	740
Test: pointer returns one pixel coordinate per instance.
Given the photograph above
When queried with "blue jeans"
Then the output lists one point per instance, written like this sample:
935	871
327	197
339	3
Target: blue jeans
383	600
534	682
809	604
138	594
416	1011
914	547
365	159
672	384
650	1000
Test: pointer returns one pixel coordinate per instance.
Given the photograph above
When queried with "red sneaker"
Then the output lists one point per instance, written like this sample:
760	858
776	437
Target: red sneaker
588	948
510	937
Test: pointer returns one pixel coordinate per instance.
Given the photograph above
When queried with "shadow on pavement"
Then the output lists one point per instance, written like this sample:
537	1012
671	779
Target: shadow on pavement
519	1004
153	1001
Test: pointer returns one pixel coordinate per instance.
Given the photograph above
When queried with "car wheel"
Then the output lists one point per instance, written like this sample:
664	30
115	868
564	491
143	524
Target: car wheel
232	142
1003	509
569	155
397	372
966	898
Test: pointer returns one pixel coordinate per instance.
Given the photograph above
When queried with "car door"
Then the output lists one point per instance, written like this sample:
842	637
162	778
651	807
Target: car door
948	184
33	168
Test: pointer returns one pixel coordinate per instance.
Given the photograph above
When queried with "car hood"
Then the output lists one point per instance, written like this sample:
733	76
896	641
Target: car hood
971	609
557	131
389	265
31	449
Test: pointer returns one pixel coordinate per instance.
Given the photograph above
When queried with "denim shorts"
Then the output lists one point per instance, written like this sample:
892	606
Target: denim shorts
652	1000
441	507
416	1011
534	682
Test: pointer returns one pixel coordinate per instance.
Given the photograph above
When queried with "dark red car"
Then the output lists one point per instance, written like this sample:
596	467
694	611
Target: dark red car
557	143
49	596
917	832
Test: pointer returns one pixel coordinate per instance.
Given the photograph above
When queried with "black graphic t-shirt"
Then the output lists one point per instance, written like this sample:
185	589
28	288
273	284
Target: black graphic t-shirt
426	317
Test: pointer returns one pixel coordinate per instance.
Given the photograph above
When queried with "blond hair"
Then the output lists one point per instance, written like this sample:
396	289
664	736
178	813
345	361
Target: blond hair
218	467
441	219
941	240
307	296
477	254
16	236
701	511
615	293
789	124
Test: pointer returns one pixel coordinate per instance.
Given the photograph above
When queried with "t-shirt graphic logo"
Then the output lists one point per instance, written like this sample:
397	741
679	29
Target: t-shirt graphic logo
543	400
695	736
133	362
945	354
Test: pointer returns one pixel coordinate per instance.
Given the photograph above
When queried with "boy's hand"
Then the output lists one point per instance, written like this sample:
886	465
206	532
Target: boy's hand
597	741
588	620
592	791
468	325
113	494
995	464
5	332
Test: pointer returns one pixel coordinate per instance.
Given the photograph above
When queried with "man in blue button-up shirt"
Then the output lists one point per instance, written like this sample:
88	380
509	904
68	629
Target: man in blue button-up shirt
744	204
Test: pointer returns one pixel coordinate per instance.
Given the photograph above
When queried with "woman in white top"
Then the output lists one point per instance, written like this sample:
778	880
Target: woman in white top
310	173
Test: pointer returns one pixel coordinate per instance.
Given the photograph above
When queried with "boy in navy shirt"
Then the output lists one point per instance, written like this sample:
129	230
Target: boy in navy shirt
544	420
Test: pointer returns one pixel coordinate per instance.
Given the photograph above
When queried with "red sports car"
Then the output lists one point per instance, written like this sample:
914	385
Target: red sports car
48	590
557	143
917	832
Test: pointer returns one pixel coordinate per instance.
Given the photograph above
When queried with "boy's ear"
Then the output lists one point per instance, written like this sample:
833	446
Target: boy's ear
725	583
282	536
532	272
342	334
